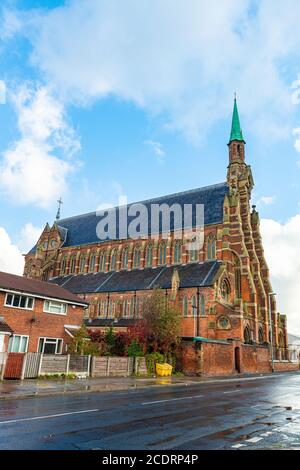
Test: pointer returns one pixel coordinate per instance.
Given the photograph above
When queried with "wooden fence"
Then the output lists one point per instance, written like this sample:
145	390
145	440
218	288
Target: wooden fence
33	365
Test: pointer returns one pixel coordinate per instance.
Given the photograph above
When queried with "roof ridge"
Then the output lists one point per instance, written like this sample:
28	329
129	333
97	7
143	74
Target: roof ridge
188	191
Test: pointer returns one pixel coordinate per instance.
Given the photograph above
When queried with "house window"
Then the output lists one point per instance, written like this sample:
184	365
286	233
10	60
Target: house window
185	307
18	344
50	345
149	256
162	254
50	306
19	301
177	253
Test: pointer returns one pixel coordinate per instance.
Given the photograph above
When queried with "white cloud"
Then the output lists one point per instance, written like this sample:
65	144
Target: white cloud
182	60
266	200
34	169
282	250
296	133
28	237
157	148
11	259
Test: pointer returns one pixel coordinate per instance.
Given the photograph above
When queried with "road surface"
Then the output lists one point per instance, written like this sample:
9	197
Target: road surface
257	413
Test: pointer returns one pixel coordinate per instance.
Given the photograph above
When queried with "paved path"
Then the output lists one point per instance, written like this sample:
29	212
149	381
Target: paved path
263	412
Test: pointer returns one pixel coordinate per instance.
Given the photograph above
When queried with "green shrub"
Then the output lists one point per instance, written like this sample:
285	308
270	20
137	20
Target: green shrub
134	349
152	359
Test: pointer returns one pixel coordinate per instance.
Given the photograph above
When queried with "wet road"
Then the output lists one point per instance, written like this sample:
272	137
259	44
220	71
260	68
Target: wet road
261	412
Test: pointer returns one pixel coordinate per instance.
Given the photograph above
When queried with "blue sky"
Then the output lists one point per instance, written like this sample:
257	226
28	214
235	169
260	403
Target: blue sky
135	98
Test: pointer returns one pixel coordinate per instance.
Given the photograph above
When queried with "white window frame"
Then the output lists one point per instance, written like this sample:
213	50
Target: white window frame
21	336
19	295
49	302
45	338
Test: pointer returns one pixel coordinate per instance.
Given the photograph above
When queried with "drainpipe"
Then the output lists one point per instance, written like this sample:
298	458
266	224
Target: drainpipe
270	295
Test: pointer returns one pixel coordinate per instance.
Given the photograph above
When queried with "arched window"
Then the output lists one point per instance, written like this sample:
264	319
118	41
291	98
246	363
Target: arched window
113	260
261	338
137	307
126	311
202	305
148	256
72	264
194	306
124	262
102	261
92	262
132	307
177	252
247	335
185	306
82	263
111	308
63	266
193	256
211	247
162	254
136	257
225	290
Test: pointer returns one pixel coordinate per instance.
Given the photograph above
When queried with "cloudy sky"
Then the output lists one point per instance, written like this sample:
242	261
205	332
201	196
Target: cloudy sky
102	98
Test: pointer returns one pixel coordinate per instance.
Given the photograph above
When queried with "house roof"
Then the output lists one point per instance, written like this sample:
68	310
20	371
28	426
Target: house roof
190	275
82	229
11	282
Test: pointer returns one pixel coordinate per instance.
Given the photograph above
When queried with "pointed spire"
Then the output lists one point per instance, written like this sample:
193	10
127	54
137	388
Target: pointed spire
236	131
58	210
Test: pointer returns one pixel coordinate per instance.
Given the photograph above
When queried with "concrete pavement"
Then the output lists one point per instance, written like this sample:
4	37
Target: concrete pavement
243	413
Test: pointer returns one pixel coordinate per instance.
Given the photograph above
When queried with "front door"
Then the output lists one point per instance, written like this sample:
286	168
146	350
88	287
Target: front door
237	360
1	343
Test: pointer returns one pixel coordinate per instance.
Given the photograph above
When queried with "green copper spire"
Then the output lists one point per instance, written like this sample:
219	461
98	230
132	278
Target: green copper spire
236	131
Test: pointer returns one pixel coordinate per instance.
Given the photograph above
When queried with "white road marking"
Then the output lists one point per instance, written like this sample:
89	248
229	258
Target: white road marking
254	439
171	399
233	391
266	434
237	446
48	416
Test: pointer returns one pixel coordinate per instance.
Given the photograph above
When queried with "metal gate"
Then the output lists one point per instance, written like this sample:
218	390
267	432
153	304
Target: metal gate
14	366
32	365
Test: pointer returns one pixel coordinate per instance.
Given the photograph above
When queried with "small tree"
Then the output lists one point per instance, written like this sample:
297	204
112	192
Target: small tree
162	323
80	342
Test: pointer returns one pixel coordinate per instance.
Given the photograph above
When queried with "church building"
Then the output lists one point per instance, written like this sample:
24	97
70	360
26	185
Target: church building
223	288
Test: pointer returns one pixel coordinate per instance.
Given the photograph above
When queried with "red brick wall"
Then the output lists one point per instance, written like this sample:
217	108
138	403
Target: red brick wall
285	366
36	323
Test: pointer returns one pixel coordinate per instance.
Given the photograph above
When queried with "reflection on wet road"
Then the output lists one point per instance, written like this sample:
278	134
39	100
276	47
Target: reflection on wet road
260	413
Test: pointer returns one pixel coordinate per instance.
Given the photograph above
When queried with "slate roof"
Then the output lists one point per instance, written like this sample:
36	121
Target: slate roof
190	275
81	229
37	288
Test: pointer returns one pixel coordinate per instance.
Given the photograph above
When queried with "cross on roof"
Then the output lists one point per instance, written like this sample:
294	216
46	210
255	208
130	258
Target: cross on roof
60	202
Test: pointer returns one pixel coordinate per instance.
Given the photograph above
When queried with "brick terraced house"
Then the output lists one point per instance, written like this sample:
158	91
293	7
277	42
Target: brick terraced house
223	288
37	316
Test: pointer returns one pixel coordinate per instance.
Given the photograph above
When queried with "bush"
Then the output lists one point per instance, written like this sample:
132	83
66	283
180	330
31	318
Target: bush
134	349
152	359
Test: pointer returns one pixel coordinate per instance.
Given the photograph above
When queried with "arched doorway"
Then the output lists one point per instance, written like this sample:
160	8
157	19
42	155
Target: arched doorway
237	360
